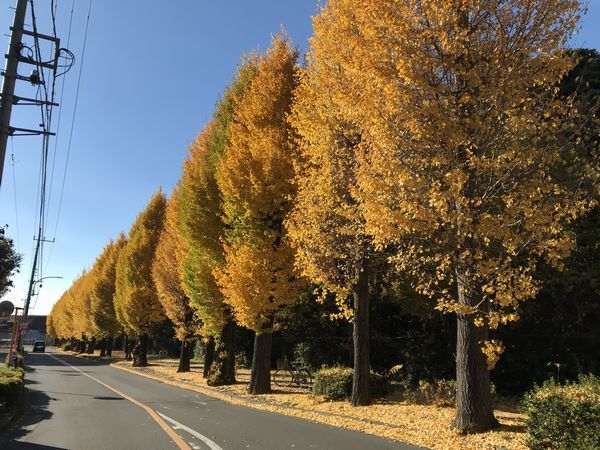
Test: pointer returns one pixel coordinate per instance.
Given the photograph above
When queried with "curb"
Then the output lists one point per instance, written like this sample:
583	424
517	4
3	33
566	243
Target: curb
251	402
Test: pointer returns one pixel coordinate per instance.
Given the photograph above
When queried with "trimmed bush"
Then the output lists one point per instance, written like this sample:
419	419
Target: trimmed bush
66	346
335	383
18	361
564	417
11	386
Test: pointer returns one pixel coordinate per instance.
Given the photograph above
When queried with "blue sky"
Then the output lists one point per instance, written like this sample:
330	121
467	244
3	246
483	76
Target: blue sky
152	73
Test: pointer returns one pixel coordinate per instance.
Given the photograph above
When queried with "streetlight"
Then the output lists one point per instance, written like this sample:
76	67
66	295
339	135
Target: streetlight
42	279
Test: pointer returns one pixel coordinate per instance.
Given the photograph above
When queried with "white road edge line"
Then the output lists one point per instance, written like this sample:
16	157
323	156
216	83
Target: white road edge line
179	426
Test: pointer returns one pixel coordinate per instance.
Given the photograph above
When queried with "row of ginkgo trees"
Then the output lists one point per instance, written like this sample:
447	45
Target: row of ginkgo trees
430	138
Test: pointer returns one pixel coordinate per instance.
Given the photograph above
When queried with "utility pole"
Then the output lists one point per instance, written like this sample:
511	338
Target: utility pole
32	279
10	77
29	293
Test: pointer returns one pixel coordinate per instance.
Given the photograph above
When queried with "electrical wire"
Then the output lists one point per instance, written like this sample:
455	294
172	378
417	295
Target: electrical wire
62	92
12	163
62	189
46	113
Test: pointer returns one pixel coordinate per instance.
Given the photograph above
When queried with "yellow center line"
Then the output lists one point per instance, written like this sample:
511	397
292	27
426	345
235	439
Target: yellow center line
166	428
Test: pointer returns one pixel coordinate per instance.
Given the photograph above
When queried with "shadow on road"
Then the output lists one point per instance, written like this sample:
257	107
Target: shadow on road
36	411
28	446
37	402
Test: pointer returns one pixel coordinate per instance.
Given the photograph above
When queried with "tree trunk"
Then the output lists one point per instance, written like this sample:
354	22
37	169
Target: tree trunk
185	356
140	351
109	346
260	376
222	370
361	381
91	346
83	345
474	409
127	348
209	356
103	347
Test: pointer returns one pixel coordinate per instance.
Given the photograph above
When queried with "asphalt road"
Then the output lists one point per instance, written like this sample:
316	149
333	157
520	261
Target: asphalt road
90	405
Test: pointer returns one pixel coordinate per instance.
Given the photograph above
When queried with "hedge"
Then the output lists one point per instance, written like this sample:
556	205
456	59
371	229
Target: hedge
11	386
335	383
564	416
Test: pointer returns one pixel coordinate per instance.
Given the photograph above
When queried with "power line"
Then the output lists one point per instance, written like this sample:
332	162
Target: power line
12	163
62	92
62	189
46	112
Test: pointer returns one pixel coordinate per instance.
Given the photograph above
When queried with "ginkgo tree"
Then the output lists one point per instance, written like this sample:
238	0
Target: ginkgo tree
60	319
119	304
80	303
465	169
135	295
170	251
202	229
255	177
327	224
102	309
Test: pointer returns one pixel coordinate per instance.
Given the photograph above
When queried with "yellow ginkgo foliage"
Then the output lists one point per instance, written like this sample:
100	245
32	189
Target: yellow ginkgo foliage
102	293
60	318
260	272
80	304
255	178
136	299
327	224
203	230
466	169
170	251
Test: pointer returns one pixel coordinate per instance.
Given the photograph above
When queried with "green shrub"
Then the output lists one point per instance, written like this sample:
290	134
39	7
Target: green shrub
66	346
199	350
20	361
241	361
303	355
335	383
11	386
564	417
17	361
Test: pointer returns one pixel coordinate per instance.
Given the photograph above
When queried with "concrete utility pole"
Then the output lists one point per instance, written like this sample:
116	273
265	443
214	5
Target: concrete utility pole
10	77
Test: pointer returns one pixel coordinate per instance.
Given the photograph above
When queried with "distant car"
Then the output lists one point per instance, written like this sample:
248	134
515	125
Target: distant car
39	346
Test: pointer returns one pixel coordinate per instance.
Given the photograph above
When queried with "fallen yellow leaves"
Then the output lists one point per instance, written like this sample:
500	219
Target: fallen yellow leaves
392	418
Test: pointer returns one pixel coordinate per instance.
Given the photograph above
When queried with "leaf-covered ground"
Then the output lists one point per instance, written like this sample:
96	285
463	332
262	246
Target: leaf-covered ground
425	425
